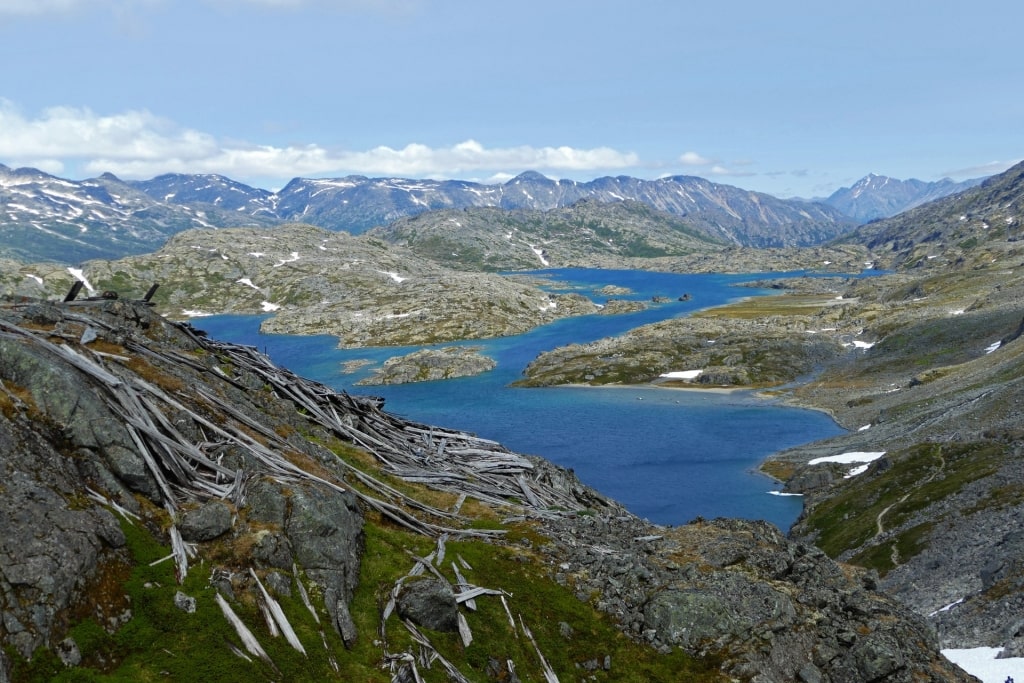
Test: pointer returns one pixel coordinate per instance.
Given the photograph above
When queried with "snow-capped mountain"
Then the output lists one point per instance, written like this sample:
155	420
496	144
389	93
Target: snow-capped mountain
43	217
216	190
357	203
876	196
959	228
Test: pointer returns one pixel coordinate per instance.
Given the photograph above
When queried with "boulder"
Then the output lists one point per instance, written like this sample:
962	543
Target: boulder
206	522
429	603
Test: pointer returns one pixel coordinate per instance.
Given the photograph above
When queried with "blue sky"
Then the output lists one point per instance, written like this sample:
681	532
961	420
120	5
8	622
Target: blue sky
790	97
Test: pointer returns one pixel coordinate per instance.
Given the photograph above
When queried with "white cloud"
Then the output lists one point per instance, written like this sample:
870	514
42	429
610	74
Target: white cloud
62	132
720	170
138	144
713	167
412	160
694	159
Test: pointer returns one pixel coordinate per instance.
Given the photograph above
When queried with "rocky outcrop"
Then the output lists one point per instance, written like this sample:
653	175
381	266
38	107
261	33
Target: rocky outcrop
54	545
431	364
775	609
313	281
71	454
429	603
727	353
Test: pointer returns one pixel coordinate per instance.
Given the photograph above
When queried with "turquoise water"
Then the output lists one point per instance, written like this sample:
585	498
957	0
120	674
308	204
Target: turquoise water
668	455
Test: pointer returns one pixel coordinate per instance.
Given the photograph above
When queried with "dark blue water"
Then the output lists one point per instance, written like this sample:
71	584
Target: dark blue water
668	455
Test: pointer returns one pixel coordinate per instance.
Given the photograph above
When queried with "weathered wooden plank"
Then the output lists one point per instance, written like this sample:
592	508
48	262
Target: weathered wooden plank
549	674
278	615
248	639
464	633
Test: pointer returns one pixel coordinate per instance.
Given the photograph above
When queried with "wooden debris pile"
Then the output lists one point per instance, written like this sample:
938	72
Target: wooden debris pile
450	460
445	459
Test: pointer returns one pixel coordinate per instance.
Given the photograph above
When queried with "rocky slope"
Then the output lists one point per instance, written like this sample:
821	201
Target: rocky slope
588	233
315	282
174	506
941	394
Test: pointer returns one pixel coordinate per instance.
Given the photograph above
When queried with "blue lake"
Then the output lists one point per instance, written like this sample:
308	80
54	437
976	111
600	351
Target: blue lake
667	455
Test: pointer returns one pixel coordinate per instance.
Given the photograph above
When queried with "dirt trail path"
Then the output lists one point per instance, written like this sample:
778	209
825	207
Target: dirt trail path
880	526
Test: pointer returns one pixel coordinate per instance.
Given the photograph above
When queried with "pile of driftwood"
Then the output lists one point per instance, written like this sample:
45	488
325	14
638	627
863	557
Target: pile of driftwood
445	459
450	460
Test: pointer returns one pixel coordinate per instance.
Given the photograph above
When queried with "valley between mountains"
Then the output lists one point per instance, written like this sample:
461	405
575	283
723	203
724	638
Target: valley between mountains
912	548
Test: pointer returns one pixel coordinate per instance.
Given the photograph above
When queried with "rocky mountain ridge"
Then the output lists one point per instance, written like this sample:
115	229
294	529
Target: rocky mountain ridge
47	218
357	203
875	196
587	233
43	217
975	226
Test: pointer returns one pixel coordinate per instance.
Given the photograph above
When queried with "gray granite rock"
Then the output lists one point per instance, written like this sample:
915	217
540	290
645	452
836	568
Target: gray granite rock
429	603
206	522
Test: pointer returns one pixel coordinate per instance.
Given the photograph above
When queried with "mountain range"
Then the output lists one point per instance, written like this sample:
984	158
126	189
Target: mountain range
44	217
875	196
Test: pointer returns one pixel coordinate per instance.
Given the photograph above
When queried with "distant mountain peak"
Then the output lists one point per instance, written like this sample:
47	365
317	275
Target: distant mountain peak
877	196
531	176
962	225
